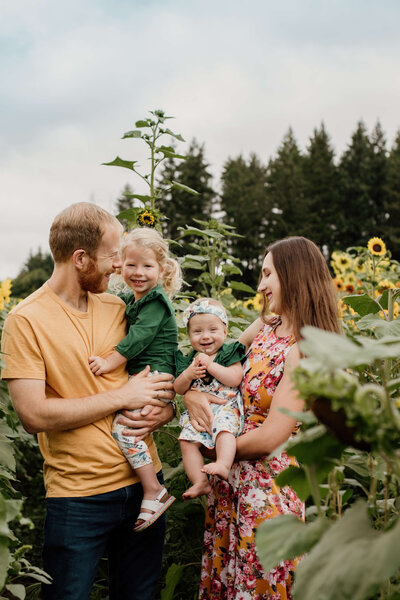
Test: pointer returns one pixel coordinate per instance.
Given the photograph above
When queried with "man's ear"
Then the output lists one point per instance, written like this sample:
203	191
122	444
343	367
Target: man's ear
80	259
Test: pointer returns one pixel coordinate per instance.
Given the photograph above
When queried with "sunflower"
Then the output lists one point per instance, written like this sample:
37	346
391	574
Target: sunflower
339	285
146	218
359	265
385	284
377	246
349	288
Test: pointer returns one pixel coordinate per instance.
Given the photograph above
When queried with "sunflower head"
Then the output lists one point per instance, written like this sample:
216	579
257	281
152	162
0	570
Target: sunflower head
385	284
146	218
338	283
377	246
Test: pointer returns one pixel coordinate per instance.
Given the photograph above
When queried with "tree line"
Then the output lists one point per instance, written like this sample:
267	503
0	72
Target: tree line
337	203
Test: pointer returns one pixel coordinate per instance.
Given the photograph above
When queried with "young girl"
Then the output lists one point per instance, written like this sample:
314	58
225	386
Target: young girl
152	339
216	369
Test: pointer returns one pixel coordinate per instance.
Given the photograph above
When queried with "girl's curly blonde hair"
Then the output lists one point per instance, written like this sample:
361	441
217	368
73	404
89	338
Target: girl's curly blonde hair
146	237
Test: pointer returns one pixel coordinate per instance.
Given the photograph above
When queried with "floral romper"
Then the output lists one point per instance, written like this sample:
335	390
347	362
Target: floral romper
227	417
230	566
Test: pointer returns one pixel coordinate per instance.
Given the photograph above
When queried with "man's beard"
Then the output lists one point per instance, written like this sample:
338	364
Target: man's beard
92	280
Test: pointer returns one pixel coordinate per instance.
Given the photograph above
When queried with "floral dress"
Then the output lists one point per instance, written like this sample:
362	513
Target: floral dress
230	566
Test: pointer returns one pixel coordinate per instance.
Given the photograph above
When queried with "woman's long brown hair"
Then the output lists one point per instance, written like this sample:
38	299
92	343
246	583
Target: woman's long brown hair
308	296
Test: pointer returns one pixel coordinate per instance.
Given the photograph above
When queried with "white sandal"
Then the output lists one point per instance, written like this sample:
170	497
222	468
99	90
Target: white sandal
157	506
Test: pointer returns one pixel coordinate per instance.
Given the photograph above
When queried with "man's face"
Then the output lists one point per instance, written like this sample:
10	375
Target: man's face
95	276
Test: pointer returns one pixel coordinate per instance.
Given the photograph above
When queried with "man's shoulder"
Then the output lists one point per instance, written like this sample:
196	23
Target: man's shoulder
31	303
107	299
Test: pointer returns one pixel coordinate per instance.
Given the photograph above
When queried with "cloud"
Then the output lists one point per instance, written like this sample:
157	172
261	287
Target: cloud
236	76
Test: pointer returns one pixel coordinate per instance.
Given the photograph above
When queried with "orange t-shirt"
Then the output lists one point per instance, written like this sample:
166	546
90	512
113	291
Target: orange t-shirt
45	338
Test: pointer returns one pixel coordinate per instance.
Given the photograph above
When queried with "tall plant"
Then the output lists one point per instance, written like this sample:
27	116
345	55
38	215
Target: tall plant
150	131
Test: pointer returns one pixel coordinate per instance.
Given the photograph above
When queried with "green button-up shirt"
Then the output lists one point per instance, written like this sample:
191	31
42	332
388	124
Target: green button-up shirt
153	334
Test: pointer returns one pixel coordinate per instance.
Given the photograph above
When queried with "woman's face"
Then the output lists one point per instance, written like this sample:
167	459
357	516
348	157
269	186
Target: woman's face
270	285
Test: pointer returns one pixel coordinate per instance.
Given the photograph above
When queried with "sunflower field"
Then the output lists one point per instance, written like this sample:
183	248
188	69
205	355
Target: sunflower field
348	448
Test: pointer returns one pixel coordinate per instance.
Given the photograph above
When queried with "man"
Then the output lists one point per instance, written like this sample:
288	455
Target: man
92	495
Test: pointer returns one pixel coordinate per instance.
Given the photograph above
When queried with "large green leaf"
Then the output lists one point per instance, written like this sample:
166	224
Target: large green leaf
285	538
7	458
4	559
17	590
119	162
381	327
185	188
132	134
334	351
172	578
243	287
363	304
351	561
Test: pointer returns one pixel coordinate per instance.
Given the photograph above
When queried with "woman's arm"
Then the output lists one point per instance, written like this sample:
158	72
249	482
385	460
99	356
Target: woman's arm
250	333
278	426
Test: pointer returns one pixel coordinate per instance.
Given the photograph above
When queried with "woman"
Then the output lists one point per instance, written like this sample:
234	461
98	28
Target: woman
296	286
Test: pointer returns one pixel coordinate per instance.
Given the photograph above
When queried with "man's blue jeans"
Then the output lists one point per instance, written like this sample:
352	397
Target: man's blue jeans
78	532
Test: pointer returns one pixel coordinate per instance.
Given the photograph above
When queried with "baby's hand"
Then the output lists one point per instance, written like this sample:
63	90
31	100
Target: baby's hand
196	370
97	364
204	360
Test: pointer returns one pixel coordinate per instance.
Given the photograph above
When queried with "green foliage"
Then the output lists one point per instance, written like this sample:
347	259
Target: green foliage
150	131
178	204
18	577
36	270
247	208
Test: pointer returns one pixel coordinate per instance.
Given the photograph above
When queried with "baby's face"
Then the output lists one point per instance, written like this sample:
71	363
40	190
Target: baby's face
206	333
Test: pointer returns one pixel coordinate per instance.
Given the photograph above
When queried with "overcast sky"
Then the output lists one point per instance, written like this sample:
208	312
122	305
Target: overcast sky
75	75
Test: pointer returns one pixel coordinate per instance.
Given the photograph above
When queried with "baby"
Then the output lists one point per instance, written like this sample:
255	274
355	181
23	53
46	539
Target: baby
215	368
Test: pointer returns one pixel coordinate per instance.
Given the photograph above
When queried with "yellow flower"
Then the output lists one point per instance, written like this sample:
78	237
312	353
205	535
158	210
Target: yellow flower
359	265
254	303
385	284
377	246
146	218
349	287
339	285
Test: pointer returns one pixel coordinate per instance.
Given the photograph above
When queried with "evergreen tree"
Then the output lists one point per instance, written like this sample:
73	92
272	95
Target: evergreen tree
321	190
124	202
392	200
286	192
36	270
357	214
378	182
246	206
179	206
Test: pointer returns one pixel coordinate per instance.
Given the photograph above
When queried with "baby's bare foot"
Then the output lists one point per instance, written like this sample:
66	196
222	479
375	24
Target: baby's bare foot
217	468
198	489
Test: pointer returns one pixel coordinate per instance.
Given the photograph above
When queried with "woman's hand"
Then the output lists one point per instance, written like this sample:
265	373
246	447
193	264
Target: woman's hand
200	413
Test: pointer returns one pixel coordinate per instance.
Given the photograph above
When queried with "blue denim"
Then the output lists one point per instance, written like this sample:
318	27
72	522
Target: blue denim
78	532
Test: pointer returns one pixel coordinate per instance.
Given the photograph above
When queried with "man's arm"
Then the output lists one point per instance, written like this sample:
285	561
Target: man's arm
38	413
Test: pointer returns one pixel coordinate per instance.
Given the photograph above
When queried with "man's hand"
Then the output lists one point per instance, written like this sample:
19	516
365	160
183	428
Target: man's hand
144	389
150	418
97	365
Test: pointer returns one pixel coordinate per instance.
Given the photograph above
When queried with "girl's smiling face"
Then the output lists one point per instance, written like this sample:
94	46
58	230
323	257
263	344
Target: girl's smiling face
140	270
270	285
206	333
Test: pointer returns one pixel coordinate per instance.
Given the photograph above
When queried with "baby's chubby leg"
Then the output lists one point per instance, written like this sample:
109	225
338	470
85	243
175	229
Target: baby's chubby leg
194	463
225	447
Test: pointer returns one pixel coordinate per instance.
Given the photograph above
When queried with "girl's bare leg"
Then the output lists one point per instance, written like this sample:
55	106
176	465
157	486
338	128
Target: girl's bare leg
225	446
194	463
